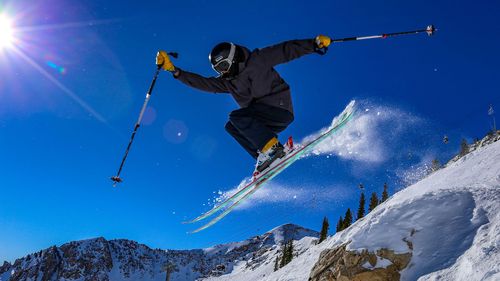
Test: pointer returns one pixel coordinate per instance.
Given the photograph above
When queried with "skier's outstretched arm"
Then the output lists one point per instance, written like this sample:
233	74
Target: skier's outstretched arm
290	50
207	84
211	84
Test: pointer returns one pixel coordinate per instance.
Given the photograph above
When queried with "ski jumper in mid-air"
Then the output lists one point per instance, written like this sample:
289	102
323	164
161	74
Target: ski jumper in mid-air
263	96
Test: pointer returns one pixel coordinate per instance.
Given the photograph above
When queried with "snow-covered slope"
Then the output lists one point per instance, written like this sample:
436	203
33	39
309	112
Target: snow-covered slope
447	226
262	265
449	222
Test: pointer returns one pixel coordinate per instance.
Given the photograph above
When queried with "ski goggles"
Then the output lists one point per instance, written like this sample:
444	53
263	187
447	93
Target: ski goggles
222	66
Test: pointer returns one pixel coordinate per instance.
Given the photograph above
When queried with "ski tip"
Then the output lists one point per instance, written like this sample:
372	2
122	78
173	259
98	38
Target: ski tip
195	231
203	227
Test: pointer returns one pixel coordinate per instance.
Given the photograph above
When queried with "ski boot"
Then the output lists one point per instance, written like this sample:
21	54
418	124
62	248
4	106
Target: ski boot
271	152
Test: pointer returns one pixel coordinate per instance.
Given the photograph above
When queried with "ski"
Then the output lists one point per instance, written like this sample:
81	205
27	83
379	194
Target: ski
226	201
240	199
223	203
270	174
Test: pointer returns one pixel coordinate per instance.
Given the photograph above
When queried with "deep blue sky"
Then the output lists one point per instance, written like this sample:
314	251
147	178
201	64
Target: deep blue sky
73	86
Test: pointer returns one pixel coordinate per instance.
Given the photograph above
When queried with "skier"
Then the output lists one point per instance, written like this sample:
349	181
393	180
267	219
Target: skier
263	96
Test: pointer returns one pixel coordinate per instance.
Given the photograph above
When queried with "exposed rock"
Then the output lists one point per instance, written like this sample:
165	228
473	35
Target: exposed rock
339	264
94	261
5	267
30	268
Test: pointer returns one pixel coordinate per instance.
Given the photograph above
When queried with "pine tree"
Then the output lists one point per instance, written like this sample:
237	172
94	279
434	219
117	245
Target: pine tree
277	263
385	193
348	218
283	254
464	147
324	230
373	202
290	251
361	208
435	165
287	254
169	268
340	225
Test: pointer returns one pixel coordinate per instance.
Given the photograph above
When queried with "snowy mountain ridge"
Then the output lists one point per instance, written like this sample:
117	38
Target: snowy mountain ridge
100	259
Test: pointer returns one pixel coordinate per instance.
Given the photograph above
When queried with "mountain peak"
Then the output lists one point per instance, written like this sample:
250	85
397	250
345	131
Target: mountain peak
289	231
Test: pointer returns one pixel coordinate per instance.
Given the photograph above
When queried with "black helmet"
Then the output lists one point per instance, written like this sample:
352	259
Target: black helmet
224	58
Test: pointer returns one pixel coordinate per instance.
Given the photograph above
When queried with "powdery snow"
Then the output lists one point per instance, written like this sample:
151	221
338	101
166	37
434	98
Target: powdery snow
451	219
364	138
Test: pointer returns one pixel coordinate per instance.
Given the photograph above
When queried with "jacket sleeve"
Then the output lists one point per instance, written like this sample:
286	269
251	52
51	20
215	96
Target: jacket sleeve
211	84
285	52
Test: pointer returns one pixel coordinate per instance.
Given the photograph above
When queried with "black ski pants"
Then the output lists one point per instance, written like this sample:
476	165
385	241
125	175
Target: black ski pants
255	125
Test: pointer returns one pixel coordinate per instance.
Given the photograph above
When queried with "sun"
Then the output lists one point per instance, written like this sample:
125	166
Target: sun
6	32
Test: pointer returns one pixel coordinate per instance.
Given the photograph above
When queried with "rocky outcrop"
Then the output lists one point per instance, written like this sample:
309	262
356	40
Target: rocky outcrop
93	263
5	267
42	266
340	264
87	260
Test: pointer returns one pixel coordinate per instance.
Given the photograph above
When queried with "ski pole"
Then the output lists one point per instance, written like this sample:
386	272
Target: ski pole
430	29
116	179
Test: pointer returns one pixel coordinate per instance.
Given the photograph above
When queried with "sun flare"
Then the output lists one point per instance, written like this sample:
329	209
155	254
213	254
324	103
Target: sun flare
6	32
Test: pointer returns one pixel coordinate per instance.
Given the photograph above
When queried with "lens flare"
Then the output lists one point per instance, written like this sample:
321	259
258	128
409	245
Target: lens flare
56	82
6	32
58	68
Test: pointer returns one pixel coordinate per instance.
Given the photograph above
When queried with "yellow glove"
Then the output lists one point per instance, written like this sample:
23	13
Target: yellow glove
323	41
163	61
